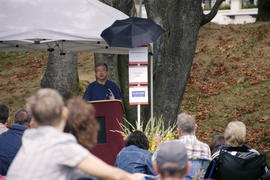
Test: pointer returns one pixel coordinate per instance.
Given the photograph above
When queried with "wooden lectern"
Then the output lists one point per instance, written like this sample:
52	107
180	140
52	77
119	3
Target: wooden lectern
109	113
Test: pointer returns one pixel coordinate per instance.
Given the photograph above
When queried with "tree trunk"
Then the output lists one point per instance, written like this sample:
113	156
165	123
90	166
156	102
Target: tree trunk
174	51
61	74
263	10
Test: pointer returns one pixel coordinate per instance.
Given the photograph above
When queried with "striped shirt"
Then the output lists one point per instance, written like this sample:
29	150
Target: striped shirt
195	148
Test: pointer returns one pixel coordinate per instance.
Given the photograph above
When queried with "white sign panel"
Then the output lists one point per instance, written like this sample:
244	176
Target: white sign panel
138	55
138	75
138	95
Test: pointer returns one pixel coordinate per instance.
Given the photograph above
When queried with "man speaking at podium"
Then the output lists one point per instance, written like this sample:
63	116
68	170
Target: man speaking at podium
102	88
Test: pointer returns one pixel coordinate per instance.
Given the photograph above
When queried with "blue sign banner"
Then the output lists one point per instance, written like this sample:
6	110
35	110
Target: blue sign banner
138	93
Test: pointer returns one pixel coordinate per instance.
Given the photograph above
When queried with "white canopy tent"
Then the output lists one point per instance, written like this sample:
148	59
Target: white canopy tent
66	25
70	25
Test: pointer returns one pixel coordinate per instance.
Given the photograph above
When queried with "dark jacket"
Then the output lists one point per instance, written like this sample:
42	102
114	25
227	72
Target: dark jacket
240	162
10	143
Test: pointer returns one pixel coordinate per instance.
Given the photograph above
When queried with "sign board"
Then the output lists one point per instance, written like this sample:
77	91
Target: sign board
138	95
138	55
138	75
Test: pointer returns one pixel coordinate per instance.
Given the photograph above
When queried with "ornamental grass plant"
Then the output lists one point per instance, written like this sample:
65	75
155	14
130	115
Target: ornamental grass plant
156	134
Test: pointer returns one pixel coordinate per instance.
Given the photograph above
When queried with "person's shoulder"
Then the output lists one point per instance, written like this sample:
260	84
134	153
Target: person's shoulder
217	149
18	127
111	83
136	148
203	144
48	132
148	153
94	83
250	149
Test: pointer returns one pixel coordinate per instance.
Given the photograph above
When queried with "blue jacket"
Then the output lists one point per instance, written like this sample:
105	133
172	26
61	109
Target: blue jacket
96	91
10	143
135	160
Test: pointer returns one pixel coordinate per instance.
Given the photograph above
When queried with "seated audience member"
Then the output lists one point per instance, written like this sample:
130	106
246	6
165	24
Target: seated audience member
11	140
135	158
48	153
236	160
198	152
170	161
82	122
217	142
4	117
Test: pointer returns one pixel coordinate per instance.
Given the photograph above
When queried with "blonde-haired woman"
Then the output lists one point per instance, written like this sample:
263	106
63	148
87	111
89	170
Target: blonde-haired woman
233	160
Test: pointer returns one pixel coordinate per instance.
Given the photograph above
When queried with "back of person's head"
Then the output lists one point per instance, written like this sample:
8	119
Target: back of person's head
186	123
101	64
171	161
46	107
139	139
4	113
216	141
81	122
22	117
235	133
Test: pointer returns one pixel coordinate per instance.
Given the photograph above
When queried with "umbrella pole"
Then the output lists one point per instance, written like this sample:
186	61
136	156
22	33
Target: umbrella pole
151	90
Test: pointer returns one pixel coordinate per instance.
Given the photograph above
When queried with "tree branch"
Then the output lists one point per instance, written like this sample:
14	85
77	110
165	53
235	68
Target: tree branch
208	17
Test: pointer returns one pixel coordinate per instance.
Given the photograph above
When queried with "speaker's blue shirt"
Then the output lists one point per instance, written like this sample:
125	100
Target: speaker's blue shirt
96	91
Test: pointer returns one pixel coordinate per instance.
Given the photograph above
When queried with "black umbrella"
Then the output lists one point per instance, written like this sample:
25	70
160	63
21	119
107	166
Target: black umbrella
132	32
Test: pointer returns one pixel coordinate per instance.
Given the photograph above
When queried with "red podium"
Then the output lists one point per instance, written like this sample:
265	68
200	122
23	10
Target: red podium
108	114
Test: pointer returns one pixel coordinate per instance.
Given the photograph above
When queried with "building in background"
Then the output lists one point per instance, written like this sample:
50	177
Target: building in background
210	3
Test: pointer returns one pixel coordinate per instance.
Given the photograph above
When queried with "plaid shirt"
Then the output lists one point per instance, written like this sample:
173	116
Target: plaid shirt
195	148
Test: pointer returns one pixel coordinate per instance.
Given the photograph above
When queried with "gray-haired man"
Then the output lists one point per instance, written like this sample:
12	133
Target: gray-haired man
198	152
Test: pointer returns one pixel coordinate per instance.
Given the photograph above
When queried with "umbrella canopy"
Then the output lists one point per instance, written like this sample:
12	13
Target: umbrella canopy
71	25
132	32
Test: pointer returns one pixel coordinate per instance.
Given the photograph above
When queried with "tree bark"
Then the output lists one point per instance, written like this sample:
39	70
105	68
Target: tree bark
126	6
263	10
174	51
61	74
